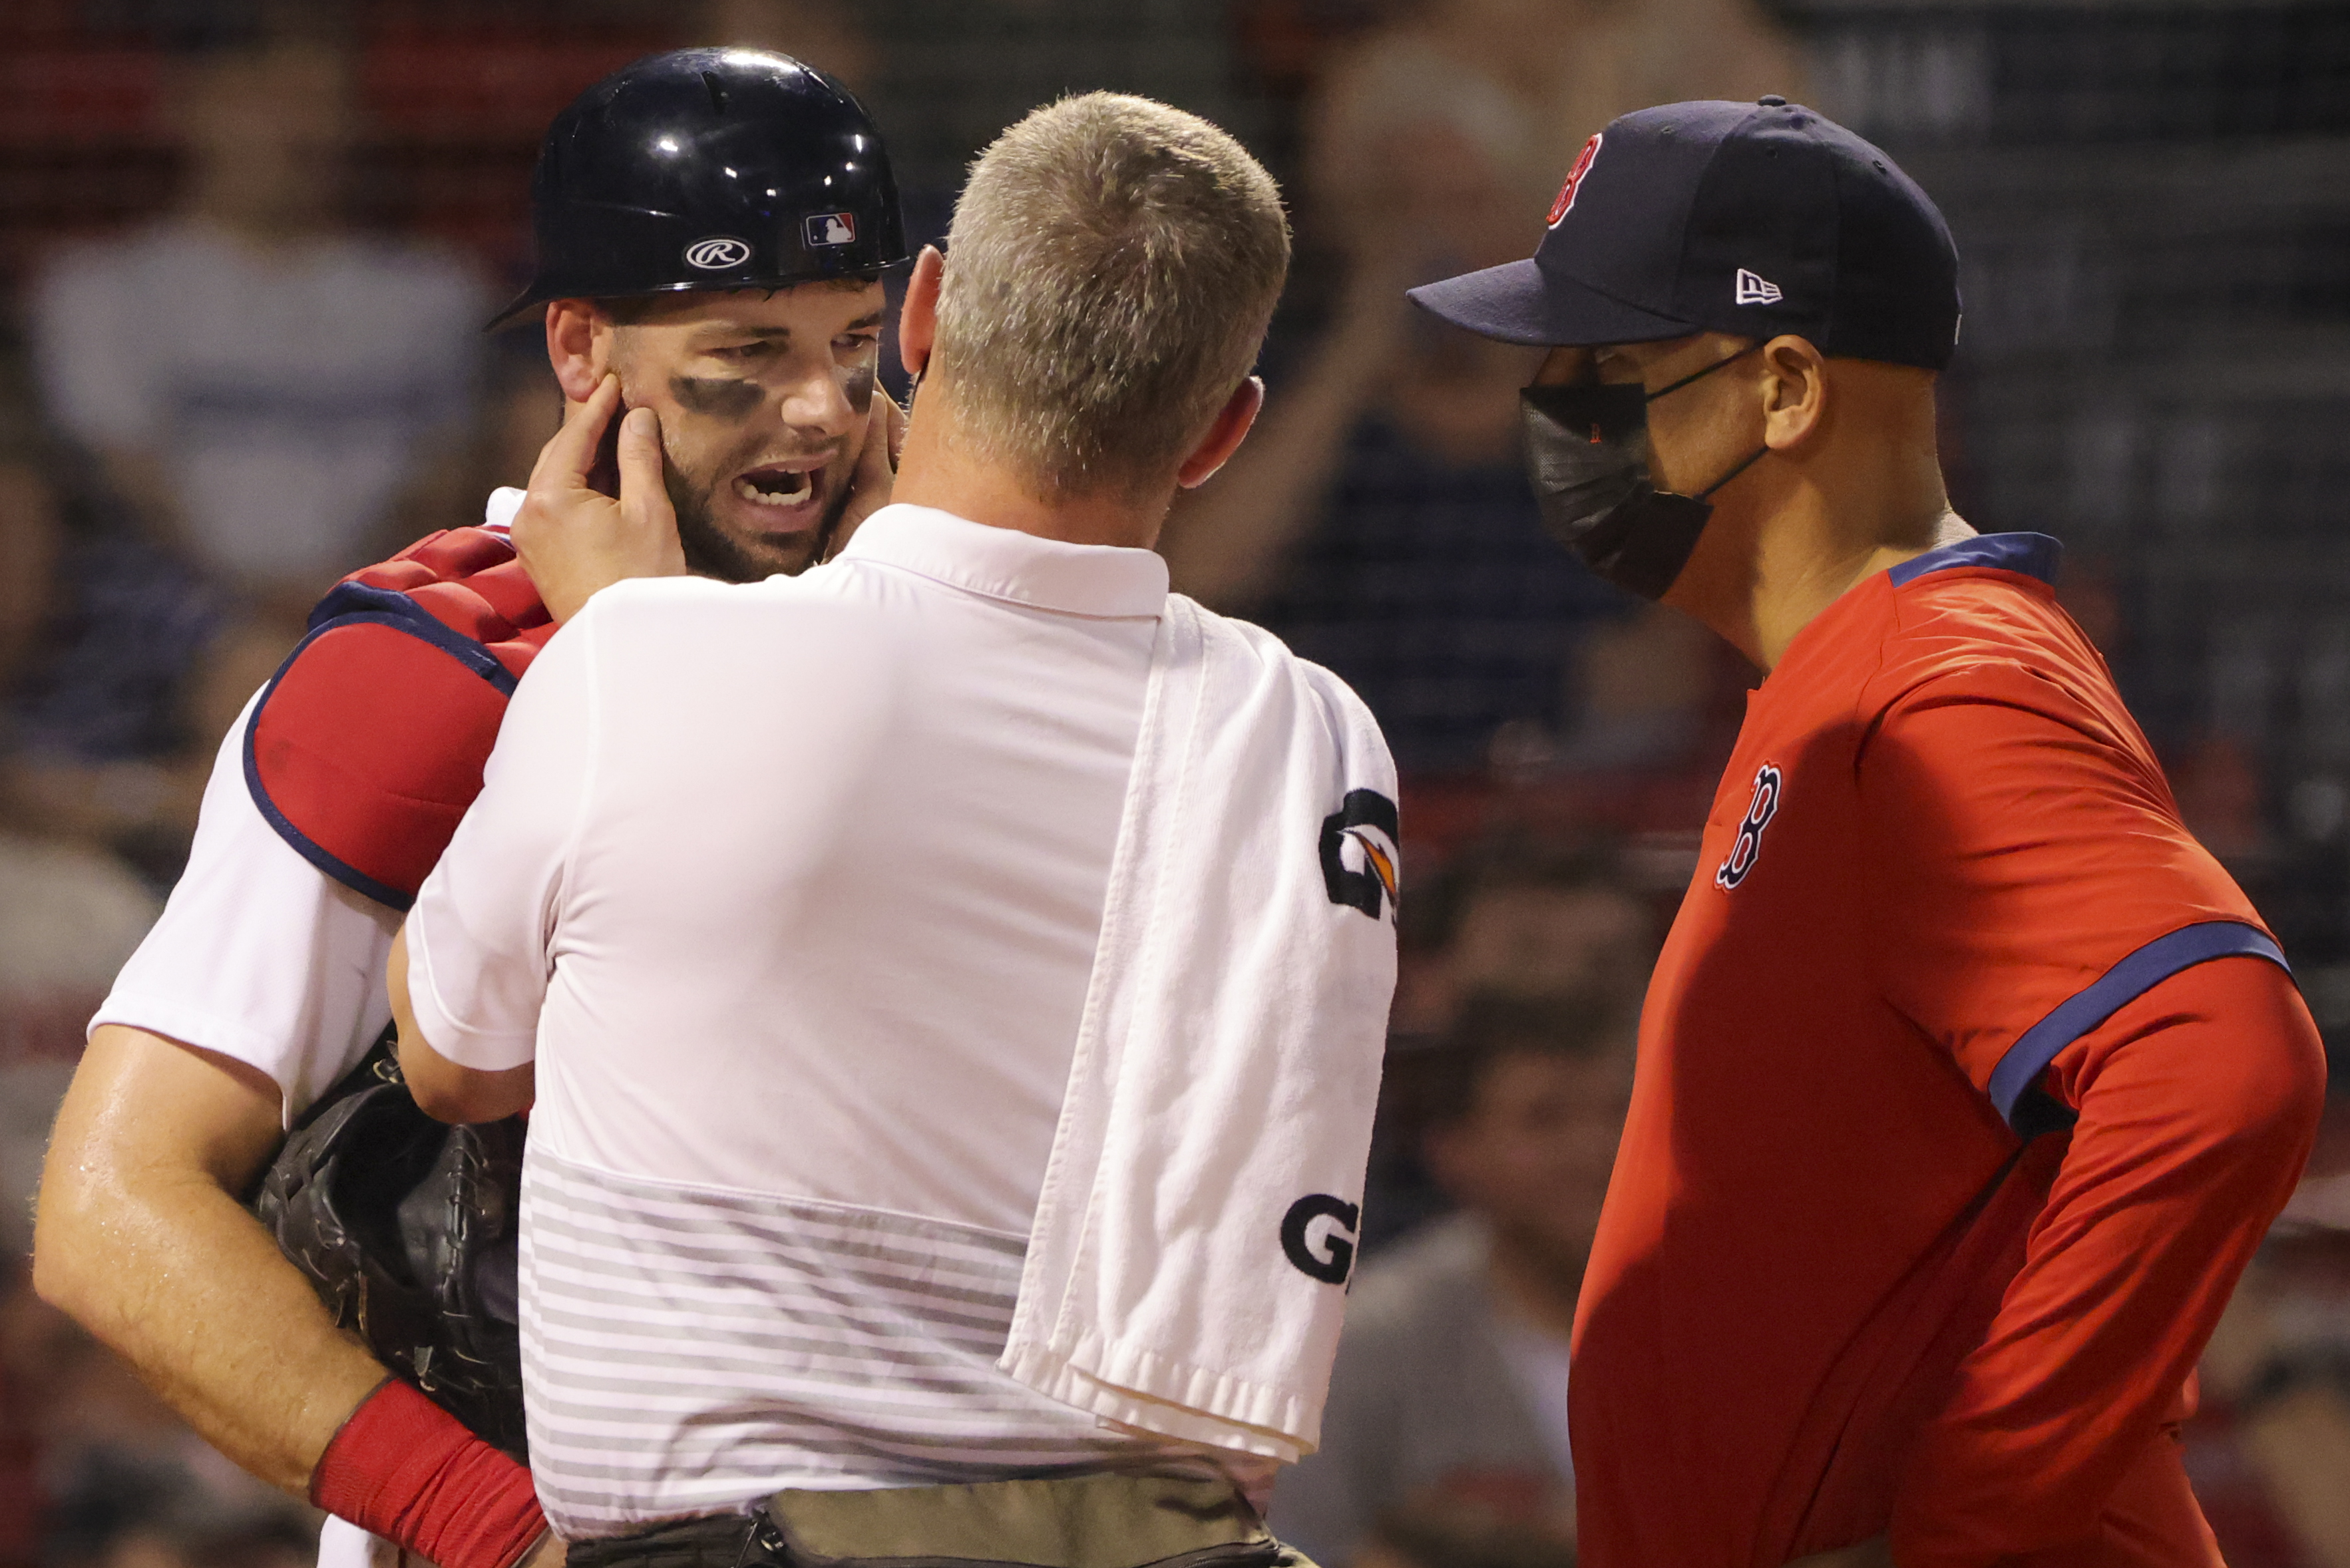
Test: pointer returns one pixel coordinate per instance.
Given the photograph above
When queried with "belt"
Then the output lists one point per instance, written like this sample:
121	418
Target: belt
1076	1522
721	1541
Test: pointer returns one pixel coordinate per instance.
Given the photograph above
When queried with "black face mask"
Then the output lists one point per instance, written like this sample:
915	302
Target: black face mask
1587	458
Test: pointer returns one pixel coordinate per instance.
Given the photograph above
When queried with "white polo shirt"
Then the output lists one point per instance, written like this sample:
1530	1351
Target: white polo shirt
792	891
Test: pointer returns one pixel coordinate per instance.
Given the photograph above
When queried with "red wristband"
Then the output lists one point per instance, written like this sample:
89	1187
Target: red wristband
404	1468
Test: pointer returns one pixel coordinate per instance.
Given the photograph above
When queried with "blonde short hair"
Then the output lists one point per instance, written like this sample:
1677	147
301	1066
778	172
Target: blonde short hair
1111	270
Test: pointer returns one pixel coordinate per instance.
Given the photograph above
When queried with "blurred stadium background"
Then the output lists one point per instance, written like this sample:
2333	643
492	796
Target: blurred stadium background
245	248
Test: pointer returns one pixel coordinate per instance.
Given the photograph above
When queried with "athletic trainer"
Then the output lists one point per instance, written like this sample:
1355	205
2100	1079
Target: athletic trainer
1968	1081
954	981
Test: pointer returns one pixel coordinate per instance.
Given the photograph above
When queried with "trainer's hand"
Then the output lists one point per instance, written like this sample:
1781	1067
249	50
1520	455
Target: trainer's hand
547	1553
875	472
573	538
1876	1553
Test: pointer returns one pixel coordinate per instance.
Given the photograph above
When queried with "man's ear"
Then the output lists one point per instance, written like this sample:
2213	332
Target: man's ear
1794	392
579	347
917	318
1224	437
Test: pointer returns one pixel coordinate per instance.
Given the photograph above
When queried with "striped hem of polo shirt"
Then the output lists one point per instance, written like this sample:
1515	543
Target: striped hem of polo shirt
690	1350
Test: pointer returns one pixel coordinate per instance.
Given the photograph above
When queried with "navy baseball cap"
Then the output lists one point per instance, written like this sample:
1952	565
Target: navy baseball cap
1752	218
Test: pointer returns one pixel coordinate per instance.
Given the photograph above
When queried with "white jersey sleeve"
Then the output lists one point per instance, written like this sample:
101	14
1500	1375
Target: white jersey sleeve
259	955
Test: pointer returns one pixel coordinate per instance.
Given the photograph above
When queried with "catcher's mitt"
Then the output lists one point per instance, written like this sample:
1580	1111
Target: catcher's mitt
407	1227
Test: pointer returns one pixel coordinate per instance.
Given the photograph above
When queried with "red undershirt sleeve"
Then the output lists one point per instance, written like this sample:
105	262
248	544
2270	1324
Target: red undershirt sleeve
2197	1104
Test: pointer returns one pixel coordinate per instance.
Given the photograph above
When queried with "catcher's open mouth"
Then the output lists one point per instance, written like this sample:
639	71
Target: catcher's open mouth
777	484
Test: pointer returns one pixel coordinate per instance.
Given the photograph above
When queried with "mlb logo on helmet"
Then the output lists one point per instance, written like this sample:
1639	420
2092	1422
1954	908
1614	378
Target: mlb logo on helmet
717	252
825	229
1565	201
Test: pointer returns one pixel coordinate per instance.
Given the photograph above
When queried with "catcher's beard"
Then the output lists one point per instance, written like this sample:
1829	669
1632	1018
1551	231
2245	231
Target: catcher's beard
711	552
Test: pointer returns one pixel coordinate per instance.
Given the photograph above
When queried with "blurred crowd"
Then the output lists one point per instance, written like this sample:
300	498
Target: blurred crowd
250	359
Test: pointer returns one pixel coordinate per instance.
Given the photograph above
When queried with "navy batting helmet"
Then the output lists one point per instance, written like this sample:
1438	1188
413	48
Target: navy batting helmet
710	169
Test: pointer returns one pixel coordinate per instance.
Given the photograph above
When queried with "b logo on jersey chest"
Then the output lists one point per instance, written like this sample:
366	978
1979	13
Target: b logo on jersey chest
1748	844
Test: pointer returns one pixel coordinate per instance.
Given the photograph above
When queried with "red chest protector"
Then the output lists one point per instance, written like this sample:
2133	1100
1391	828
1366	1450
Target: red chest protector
367	745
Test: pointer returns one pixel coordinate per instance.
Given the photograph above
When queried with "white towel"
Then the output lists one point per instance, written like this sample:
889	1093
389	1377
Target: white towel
1212	1148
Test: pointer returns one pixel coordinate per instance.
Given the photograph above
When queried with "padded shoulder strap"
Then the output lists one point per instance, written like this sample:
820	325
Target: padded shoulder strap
467	579
367	744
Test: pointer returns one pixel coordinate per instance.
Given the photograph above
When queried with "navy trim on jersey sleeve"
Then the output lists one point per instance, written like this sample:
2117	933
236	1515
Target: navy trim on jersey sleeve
2034	554
356	604
2127	980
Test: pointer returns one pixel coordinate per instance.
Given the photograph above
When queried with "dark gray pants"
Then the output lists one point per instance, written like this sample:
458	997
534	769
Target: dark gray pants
1077	1521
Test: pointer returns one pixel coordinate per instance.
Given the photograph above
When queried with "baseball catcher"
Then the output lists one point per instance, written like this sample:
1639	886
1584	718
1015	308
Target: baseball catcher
355	1344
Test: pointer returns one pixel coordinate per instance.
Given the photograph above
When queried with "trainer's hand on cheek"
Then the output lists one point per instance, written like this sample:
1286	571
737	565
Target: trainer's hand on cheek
1875	1554
573	538
876	469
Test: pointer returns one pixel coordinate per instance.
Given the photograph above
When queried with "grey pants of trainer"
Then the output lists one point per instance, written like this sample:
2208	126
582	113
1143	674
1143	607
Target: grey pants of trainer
1078	1521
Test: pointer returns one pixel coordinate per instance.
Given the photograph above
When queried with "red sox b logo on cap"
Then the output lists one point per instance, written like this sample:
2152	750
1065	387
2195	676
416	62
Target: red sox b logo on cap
1566	202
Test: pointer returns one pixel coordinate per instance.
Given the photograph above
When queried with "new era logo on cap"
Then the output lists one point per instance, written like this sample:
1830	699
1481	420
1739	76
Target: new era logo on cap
1755	289
830	229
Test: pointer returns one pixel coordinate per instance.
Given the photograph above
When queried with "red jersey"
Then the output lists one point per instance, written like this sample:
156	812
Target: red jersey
1968	1081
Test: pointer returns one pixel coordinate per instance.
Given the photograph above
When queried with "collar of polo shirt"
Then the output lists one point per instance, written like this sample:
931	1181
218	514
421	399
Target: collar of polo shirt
1106	580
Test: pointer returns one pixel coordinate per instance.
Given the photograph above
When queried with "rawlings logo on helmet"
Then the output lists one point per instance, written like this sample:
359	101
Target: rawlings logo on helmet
717	252
1566	202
